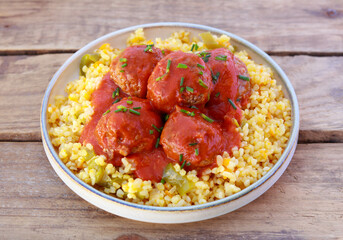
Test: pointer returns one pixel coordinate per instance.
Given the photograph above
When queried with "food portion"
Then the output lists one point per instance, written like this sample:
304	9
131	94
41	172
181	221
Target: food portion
128	127
192	137
132	68
179	79
177	122
228	91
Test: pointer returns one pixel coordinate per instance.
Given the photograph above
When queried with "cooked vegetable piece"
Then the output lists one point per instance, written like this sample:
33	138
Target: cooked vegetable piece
99	170
183	185
209	40
87	60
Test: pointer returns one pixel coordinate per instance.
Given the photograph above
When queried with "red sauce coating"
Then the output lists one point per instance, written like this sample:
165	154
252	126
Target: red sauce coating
197	139
164	88
226	86
132	68
149	165
101	100
125	132
117	134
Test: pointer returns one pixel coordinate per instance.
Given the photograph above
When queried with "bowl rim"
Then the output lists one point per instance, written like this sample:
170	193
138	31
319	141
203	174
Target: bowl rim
287	84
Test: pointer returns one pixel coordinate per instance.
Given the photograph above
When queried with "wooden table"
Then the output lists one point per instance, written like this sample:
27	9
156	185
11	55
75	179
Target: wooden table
304	37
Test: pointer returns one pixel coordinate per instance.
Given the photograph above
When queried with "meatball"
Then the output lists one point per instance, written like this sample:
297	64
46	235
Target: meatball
244	86
132	68
102	98
192	134
128	127
179	79
224	73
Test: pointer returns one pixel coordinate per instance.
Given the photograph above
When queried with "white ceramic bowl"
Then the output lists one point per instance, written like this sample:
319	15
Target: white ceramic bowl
70	71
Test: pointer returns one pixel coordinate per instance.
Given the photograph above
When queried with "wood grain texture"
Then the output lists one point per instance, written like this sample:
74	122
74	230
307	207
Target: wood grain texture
285	26
23	82
317	80
306	203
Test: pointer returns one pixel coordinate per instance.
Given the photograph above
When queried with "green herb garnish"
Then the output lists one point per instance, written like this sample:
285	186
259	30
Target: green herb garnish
157	142
181	65
214	77
193	144
129	102
180	157
194	46
124	65
151	132
232	104
117	100
121	108
196	151
201	83
201	66
122	60
148	48
183	164
115	92
106	112
192	114
244	78
157	129
206	118
189	89
182	79
159	78
168	66
205	56
137	108
221	57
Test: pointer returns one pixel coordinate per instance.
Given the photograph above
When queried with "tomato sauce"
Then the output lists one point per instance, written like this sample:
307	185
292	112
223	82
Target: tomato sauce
147	169
213	138
101	100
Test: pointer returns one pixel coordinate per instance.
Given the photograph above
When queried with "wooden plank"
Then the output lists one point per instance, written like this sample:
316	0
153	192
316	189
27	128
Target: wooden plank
319	87
317	80
23	83
306	203
275	26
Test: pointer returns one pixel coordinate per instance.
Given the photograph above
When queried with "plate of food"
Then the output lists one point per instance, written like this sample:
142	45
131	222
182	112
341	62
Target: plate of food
169	122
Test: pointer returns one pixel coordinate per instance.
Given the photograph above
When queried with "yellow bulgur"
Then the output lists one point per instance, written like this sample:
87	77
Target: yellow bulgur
265	130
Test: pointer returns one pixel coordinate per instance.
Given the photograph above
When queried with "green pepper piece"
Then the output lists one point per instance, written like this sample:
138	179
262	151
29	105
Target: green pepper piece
99	174
87	60
90	154
183	185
